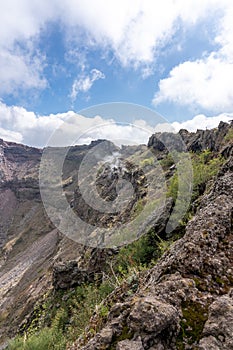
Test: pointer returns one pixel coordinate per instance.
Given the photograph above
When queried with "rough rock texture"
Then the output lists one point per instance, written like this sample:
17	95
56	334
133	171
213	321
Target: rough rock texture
151	315
8	205
190	141
185	301
205	139
129	345
68	274
34	257
29	244
218	330
106	184
178	304
17	161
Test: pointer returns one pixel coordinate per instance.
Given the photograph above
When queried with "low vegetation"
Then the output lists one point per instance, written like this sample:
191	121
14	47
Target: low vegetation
61	318
63	315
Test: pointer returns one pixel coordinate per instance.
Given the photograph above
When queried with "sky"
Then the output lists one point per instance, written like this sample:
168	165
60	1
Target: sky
61	57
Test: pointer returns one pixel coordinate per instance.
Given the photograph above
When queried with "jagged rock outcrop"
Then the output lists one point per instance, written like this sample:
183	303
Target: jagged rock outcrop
205	139
18	161
34	257
106	184
190	141
218	330
68	275
185	301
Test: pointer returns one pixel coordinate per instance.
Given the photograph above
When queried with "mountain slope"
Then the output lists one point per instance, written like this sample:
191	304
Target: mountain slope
185	301
174	302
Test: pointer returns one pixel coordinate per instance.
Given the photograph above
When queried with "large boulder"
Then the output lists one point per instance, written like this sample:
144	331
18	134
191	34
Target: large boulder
218	330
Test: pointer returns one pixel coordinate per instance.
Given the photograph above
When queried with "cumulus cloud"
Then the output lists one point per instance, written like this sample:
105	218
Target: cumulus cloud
9	135
21	63
23	71
205	83
19	125
202	122
84	83
133	33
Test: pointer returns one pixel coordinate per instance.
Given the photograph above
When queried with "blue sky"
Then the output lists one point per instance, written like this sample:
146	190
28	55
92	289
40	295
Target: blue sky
60	57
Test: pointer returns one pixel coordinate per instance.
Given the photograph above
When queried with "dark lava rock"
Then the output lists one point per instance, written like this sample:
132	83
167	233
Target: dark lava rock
67	275
186	298
190	141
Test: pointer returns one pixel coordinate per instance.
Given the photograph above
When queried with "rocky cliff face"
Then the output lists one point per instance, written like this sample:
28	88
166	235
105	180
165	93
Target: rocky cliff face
26	242
18	161
34	256
190	141
29	244
183	302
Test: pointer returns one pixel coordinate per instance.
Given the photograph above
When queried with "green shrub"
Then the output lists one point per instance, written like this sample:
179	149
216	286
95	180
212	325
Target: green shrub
192	323
140	254
229	135
205	167
46	339
167	161
146	162
173	187
66	314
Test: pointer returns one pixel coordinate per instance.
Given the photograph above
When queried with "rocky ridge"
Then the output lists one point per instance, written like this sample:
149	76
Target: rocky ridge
190	141
185	301
193	278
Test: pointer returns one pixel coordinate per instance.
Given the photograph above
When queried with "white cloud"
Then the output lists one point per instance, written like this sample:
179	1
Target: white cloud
22	20
84	83
205	83
119	134
22	71
21	64
225	32
202	122
9	135
19	125
30	129
134	33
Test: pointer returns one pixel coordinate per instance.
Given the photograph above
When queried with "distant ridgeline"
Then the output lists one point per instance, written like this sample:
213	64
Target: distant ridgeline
50	285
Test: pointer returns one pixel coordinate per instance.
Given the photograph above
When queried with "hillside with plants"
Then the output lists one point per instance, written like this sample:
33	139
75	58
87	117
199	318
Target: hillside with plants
168	289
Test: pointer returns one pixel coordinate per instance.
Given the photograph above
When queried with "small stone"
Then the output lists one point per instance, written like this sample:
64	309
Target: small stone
129	345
